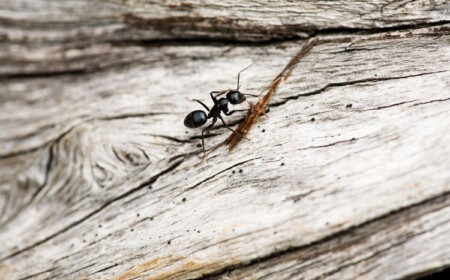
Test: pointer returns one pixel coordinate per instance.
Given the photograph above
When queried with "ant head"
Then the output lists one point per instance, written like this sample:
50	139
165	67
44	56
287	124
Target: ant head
235	97
195	119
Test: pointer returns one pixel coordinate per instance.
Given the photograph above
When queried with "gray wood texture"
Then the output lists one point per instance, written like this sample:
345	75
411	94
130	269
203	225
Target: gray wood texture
348	178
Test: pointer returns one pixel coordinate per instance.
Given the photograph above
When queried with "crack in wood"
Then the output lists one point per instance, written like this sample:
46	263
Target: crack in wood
349	83
104	269
37	274
127	116
79	269
330	144
431	101
386	106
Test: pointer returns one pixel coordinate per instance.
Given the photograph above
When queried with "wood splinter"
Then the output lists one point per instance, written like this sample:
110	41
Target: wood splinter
258	109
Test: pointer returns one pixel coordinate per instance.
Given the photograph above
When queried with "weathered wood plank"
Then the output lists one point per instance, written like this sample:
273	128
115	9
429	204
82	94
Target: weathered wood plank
370	251
102	164
44	36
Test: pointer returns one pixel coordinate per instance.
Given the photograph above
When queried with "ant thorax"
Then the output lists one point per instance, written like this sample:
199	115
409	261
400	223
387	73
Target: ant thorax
223	104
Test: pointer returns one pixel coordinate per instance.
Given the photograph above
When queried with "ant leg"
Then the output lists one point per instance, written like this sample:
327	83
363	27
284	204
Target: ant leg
234	131
214	98
206	107
203	131
248	94
266	88
239	74
220	117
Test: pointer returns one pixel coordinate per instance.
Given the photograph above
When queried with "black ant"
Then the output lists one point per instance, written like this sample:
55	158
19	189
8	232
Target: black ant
198	118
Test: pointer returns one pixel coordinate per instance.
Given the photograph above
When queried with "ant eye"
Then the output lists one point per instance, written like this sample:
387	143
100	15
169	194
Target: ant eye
235	97
195	119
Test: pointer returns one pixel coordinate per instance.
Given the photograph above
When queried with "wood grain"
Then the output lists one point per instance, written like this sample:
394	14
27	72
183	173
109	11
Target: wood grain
348	177
42	37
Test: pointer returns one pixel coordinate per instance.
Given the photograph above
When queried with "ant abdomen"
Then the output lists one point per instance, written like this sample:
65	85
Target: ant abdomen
195	119
235	97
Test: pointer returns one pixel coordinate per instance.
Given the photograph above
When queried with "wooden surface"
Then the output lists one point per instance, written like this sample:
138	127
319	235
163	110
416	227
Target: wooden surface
347	179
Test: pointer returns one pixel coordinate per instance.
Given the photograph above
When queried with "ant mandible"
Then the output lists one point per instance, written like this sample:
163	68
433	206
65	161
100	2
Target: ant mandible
198	118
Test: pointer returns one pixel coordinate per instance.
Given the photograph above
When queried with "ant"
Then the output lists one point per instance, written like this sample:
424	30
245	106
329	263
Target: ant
198	118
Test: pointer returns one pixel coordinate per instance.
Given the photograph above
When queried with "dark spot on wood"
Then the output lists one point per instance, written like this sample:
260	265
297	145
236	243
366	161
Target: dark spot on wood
353	139
184	199
199	145
99	226
437	275
233	171
151	218
168	242
198	231
150	187
137	215
282	164
313	119
263	130
240	170
132	229
349	105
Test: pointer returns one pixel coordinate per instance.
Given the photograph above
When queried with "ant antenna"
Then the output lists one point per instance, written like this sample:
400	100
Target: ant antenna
254	95
239	74
266	88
